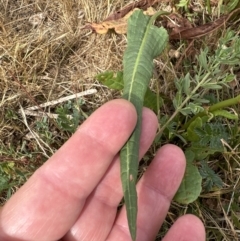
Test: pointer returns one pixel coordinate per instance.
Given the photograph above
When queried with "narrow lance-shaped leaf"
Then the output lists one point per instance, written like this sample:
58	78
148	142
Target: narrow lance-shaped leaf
145	42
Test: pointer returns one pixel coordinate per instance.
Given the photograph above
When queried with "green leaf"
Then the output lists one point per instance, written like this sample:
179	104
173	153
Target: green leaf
229	6
191	108
115	81
152	100
186	84
190	187
212	86
225	114
182	3
111	80
202	58
206	138
191	133
145	42
210	177
177	101
201	152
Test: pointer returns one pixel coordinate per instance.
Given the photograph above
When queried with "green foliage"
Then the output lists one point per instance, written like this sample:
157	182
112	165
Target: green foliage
43	130
111	80
152	100
114	81
69	116
199	117
229	6
204	135
190	187
145	42
204	130
183	3
210	178
10	176
6	170
208	76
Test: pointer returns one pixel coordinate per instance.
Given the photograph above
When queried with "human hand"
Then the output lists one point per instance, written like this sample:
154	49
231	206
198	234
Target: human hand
74	196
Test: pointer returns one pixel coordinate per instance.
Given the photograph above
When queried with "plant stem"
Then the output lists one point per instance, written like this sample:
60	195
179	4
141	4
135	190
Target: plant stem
183	104
209	9
211	109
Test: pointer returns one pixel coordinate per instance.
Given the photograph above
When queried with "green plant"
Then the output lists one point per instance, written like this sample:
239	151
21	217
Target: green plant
10	176
42	128
197	120
69	116
183	3
212	73
143	47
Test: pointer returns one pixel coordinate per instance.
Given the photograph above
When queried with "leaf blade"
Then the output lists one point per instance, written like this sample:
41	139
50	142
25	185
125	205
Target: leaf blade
145	42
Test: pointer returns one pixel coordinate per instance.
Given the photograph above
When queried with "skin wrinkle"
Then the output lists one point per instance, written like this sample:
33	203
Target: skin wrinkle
123	229
26	225
102	199
43	226
90	234
104	137
11	219
107	187
159	192
78	186
159	203
101	142
56	186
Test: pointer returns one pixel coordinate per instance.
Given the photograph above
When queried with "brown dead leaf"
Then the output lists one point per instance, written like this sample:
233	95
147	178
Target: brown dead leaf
102	28
142	4
197	32
175	20
185	31
119	25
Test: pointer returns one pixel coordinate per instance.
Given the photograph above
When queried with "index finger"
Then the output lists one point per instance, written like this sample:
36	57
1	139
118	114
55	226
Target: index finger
51	201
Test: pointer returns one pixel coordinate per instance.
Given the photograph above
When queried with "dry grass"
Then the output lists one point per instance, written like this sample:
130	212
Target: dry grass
45	55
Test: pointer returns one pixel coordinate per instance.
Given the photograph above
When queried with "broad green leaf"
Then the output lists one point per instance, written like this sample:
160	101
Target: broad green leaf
145	42
190	187
115	81
201	152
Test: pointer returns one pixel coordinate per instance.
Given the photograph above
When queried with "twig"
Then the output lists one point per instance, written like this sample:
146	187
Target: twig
35	135
70	97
